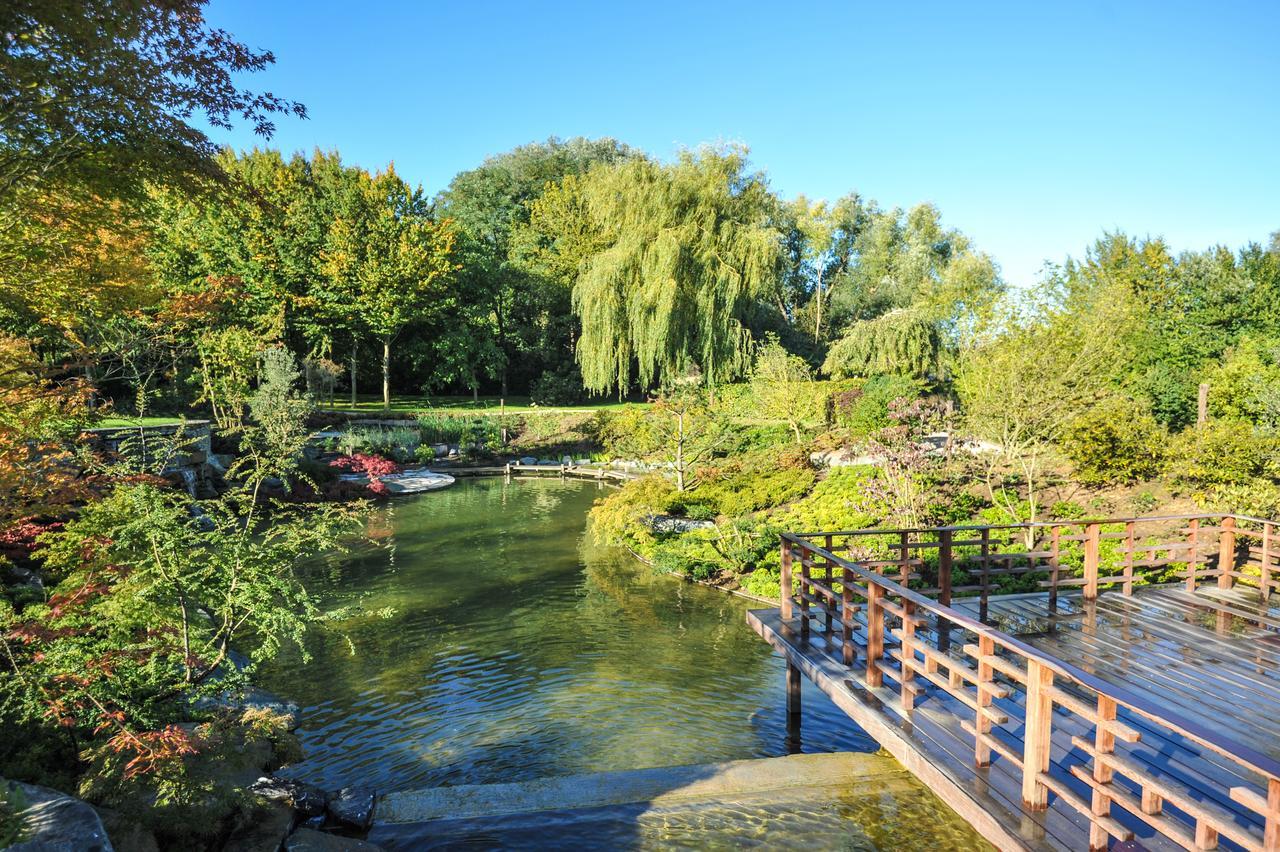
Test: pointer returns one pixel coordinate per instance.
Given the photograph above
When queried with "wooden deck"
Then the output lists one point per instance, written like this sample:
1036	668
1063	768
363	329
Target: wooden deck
1055	719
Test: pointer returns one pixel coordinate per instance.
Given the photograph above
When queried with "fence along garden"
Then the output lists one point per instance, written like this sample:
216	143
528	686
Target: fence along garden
1048	680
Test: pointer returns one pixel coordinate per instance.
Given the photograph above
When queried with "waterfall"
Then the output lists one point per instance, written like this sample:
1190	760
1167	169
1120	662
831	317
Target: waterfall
188	480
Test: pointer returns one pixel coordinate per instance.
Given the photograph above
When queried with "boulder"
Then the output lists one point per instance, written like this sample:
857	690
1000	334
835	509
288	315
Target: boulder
353	807
56	822
127	835
671	524
307	800
309	840
264	831
528	460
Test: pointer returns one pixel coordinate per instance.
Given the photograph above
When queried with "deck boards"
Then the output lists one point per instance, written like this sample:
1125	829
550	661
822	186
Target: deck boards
1213	653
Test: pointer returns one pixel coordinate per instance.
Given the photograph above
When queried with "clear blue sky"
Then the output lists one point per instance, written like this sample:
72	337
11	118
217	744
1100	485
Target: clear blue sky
1033	126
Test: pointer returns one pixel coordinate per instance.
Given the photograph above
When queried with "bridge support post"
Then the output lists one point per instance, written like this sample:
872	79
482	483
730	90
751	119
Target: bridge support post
793	708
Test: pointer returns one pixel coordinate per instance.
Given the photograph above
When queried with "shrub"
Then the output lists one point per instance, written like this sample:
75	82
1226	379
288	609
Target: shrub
866	412
1116	440
562	386
1221	453
749	490
839	502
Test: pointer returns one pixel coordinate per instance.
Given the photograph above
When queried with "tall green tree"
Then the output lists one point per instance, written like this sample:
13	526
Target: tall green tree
686	256
385	248
521	320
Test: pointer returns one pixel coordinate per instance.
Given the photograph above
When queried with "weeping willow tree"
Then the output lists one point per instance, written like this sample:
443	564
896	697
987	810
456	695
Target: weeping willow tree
685	253
906	341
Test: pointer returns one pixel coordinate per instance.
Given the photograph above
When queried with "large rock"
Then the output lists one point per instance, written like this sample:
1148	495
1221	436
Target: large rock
56	822
353	807
309	840
264	831
127	834
307	800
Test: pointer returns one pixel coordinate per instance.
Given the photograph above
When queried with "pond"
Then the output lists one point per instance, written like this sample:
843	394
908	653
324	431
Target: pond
492	641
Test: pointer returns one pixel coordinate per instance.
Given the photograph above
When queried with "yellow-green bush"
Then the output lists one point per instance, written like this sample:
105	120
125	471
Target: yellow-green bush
1116	440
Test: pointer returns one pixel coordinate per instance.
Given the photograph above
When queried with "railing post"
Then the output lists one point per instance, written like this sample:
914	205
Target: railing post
784	580
945	557
1226	553
1265	579
1036	736
1091	533
905	555
830	568
1193	552
875	634
906	676
1129	544
1055	564
944	567
1271	834
982	724
806	591
1104	742
986	575
846	615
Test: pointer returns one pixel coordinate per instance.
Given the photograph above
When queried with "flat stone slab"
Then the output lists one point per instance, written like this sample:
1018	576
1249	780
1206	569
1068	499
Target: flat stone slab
413	481
664	785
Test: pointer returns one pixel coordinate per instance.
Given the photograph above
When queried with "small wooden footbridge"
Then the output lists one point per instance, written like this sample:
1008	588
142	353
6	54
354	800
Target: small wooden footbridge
1066	685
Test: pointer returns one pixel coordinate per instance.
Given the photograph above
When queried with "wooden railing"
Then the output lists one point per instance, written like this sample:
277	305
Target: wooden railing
854	589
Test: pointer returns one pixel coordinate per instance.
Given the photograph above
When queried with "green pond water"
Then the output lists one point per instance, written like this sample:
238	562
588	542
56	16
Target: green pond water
516	648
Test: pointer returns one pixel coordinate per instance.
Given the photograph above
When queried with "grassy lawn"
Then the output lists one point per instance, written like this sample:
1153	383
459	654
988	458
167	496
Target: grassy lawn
484	405
159	420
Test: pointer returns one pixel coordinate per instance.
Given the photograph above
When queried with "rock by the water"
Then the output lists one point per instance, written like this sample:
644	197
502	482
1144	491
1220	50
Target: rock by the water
309	840
307	800
353	807
581	462
528	460
670	524
56	822
266	829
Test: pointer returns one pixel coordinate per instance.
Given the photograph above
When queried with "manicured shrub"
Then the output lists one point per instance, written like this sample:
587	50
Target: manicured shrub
1222	452
1116	440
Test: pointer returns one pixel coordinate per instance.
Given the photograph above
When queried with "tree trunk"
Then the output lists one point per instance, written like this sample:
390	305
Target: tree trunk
386	374
680	452
353	375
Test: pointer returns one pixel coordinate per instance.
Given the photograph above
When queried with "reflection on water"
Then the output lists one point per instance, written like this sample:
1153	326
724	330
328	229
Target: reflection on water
519	649
901	816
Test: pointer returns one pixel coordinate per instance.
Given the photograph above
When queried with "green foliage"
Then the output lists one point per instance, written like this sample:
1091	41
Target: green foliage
839	502
1246	383
1115	441
865	410
620	517
279	409
1222	453
12	824
147	602
562	386
782	387
904	341
739	487
102	95
687	256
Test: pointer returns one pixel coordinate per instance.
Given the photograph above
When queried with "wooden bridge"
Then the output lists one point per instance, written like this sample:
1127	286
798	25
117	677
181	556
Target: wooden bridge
1068	685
